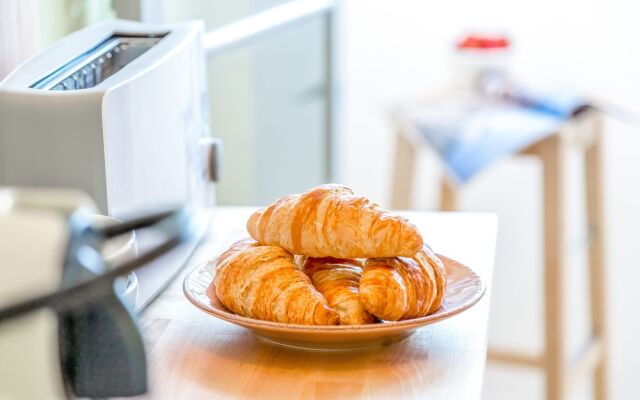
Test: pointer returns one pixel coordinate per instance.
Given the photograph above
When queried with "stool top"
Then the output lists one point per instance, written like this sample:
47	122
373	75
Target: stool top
471	131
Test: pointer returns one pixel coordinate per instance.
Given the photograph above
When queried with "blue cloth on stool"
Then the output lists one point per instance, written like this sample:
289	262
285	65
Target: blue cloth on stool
470	133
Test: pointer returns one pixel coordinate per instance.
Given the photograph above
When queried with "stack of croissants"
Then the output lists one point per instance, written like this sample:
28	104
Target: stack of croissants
328	257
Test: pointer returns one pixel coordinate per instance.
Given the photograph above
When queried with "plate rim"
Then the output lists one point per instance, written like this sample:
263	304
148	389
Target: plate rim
252	323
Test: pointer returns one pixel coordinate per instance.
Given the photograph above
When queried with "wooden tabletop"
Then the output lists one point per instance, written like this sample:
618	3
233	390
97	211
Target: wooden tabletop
194	355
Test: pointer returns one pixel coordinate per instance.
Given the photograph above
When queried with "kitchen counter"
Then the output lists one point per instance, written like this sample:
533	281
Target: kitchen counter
194	355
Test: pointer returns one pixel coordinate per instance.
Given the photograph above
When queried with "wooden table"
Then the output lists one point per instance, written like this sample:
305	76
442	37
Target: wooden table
194	355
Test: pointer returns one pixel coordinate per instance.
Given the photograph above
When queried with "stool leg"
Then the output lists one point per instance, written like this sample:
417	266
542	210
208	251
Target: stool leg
404	167
553	164
595	219
448	191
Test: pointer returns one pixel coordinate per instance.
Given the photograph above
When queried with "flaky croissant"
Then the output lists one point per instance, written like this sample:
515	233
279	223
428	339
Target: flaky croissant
262	282
400	288
338	281
330	221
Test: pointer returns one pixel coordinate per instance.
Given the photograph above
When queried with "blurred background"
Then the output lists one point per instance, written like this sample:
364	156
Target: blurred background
316	102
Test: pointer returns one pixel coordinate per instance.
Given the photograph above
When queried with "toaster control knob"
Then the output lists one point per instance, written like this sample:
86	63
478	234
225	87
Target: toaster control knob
213	154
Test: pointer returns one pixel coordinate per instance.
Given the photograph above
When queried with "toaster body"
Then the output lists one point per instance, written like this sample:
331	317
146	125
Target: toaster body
117	110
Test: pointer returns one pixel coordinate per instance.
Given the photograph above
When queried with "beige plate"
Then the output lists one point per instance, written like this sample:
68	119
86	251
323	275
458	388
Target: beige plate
464	289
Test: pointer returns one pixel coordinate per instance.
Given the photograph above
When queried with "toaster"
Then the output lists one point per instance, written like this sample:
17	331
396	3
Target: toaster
66	327
119	111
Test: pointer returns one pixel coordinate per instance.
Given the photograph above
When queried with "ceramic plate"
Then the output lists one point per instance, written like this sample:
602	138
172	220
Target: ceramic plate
464	289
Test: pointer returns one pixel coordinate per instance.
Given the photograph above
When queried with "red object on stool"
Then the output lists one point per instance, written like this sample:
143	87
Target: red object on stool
483	42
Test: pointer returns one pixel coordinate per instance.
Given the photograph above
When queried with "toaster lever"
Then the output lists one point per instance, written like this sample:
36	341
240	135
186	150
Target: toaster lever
213	154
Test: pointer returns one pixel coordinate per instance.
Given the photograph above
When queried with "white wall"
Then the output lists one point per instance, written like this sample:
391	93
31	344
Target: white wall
400	49
18	33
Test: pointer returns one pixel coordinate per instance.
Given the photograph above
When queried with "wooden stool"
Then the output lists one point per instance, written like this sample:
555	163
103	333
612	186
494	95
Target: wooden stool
584	132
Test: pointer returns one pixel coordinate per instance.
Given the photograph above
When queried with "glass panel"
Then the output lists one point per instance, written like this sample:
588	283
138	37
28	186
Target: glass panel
291	111
268	104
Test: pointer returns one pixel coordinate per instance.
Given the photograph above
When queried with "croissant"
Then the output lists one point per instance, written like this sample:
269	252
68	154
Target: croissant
330	221
400	288
262	282
338	281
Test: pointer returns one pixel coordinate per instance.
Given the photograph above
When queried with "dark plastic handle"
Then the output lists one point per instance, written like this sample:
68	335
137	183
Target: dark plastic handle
101	350
177	226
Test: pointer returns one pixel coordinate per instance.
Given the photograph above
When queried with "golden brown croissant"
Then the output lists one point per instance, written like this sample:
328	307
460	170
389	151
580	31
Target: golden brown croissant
330	221
262	282
400	288
338	281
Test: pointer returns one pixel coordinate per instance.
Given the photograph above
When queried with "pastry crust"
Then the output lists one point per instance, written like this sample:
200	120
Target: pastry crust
338	280
262	282
401	288
330	221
